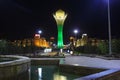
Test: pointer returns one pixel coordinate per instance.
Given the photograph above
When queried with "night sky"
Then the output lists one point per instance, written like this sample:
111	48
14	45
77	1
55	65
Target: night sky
21	19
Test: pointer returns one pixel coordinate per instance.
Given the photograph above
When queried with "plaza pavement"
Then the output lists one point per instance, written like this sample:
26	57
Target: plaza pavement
87	61
92	62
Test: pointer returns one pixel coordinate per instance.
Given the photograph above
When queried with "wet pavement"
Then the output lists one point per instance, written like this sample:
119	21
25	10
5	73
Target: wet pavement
92	62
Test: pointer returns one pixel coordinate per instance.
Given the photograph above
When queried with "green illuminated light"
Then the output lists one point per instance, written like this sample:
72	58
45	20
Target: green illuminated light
60	17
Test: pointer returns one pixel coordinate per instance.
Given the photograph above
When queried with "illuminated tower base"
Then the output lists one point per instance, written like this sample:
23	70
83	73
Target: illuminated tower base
60	17
60	36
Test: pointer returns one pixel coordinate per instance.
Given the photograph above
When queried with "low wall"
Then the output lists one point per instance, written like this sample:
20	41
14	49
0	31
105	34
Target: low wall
17	69
91	73
45	62
114	75
78	70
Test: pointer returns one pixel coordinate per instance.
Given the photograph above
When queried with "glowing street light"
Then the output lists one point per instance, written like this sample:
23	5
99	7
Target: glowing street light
75	31
39	31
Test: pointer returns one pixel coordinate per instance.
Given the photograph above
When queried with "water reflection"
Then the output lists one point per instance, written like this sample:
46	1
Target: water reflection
40	73
59	77
49	73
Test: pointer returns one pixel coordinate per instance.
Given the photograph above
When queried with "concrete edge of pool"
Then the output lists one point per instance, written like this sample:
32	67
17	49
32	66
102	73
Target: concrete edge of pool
112	74
12	70
104	74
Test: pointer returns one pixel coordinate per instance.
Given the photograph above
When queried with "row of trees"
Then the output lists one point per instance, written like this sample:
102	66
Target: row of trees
102	48
7	47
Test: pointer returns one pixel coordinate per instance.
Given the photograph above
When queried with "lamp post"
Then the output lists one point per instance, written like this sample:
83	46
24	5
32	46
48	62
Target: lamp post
75	31
109	29
39	32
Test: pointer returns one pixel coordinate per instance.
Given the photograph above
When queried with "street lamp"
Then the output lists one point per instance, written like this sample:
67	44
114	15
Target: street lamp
76	31
39	31
109	29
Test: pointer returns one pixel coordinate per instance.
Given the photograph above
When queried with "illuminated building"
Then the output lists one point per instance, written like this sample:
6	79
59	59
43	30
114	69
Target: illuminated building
40	42
79	42
60	17
84	39
37	41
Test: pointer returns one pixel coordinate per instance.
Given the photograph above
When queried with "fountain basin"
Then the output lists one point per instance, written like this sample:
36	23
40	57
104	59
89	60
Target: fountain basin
14	67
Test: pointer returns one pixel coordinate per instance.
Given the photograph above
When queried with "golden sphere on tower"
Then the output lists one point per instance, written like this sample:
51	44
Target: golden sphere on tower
60	15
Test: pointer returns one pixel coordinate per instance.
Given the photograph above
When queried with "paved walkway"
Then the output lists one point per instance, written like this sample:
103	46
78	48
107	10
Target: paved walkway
87	61
92	62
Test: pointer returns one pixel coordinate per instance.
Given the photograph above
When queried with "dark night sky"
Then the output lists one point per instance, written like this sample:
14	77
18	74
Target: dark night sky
22	18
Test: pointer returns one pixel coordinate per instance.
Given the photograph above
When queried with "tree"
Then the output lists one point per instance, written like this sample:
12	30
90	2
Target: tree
116	46
103	47
3	46
88	48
